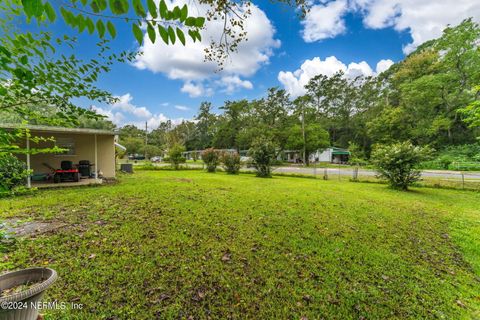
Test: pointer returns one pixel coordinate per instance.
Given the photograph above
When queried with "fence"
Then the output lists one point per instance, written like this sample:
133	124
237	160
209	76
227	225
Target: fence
468	180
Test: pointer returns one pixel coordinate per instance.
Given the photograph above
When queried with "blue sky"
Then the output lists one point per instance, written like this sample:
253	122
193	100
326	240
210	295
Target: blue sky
349	35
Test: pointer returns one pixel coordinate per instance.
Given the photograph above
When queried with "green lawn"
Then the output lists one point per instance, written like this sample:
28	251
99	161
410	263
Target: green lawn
166	244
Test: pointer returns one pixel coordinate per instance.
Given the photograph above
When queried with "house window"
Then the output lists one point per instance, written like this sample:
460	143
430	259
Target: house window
66	143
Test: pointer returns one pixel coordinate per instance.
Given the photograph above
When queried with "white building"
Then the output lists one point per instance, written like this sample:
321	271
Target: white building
332	155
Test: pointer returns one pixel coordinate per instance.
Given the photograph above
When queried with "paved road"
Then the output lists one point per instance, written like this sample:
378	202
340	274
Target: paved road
366	172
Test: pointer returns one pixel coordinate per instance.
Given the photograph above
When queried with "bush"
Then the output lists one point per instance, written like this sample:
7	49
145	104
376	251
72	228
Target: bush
231	162
262	153
211	158
398	163
175	155
461	157
13	174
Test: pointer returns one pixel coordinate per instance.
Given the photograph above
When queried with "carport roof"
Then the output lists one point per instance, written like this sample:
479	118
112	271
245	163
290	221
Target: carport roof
57	129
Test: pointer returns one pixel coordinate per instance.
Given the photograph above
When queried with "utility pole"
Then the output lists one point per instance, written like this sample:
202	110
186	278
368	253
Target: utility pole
146	139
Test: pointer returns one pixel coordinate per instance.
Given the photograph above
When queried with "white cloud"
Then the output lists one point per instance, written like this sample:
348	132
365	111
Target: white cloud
294	82
124	104
196	90
359	69
182	108
187	63
115	117
324	21
233	83
125	112
384	65
423	19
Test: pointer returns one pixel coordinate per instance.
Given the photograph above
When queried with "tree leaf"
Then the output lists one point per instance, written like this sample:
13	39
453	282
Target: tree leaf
163	9
118	7
195	35
192	35
90	25
33	8
50	11
190	22
171	35
151	32
163	34
139	9
100	28
199	36
199	22
27	7
94	6
137	32
24	60
176	13
66	15
152	8
181	36
81	23
111	29
102	4
184	13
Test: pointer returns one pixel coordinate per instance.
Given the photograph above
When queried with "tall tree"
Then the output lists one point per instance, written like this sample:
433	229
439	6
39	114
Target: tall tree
205	127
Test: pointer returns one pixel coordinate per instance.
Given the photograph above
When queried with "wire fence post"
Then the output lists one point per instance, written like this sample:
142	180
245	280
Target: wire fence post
463	180
325	174
315	170
339	172
355	174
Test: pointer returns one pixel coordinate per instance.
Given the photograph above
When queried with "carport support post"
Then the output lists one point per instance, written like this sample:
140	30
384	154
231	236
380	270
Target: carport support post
29	178
96	159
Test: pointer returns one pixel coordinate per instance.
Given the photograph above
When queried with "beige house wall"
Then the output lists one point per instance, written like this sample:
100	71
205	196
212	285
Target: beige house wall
84	150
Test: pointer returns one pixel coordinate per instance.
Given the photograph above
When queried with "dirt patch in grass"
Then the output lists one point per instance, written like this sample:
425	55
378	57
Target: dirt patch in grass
31	228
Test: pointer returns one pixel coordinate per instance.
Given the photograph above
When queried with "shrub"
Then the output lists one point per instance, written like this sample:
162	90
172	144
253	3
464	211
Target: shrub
398	163
461	157
262	153
231	162
175	155
13	174
211	158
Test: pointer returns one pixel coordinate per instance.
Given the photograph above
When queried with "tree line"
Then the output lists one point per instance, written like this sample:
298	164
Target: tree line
426	99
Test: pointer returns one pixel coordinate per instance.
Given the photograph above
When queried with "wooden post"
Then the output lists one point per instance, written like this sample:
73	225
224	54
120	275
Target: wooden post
29	178
325	174
463	180
96	159
355	174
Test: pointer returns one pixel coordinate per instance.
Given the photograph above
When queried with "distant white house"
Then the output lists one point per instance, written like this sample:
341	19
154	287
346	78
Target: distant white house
332	155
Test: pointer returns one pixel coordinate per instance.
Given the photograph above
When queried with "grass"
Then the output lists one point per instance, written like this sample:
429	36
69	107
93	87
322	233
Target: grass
175	244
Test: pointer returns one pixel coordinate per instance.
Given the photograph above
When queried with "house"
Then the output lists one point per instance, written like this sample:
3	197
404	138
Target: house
80	145
332	155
